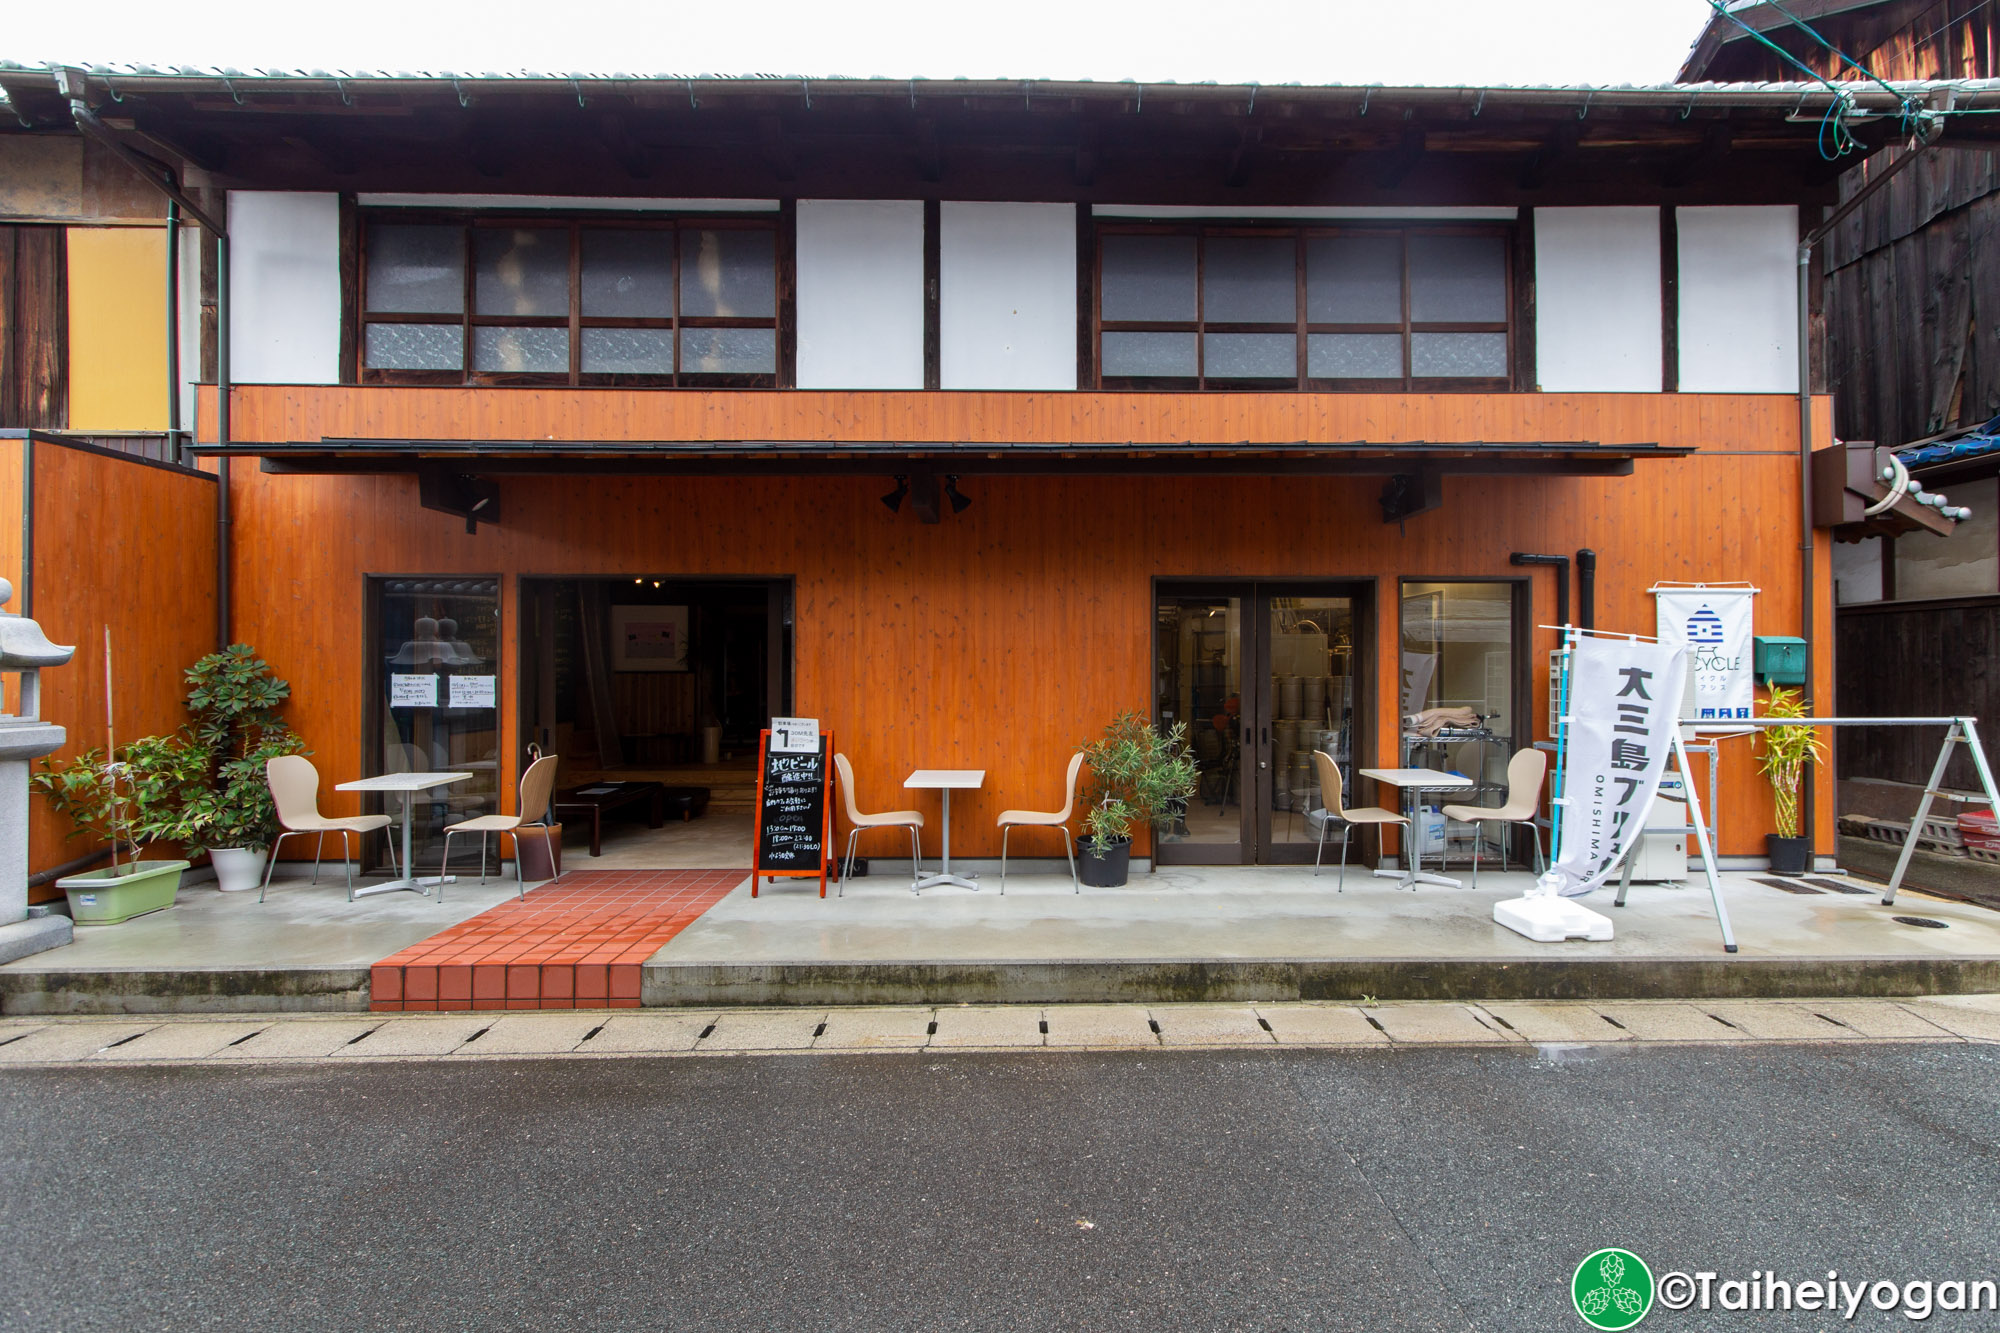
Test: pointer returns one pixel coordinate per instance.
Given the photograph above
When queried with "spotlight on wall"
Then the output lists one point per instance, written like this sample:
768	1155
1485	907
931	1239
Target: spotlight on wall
894	499
959	503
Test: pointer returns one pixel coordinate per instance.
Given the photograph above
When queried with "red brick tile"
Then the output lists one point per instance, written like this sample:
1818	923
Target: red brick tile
420	1006
454	983
632	1003
385	984
524	982
558	983
624	981
489	1004
489	982
592	984
453	1005
385	1006
420	983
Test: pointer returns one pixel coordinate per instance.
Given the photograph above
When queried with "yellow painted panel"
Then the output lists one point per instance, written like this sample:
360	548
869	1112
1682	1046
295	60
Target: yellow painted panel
117	328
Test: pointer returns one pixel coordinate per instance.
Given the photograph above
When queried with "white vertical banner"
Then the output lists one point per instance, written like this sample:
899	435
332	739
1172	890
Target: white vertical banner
1622	710
1714	624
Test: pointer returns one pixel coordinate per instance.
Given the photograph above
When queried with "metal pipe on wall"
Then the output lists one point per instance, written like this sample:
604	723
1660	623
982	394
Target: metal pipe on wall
1560	563
223	519
1586	588
174	332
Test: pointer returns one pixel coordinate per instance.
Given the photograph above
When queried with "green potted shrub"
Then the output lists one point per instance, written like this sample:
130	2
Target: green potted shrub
224	801
117	799
1782	761
1137	776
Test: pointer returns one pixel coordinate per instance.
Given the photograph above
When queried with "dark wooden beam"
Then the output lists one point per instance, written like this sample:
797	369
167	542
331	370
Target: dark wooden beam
1247	139
1716	141
1559	145
1400	161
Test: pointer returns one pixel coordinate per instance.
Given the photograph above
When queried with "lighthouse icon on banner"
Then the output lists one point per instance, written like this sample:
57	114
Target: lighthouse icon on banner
1704	626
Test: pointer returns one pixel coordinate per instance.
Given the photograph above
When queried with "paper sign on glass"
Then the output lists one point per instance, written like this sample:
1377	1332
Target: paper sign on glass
412	691
795	735
473	692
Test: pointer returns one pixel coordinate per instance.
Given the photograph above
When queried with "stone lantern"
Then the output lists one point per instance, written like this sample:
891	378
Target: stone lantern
23	737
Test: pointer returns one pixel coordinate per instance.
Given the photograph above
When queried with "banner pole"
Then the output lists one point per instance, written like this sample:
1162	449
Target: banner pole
1707	851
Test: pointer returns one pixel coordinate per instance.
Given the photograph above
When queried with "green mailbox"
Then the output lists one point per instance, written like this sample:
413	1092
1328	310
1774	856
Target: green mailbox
1780	661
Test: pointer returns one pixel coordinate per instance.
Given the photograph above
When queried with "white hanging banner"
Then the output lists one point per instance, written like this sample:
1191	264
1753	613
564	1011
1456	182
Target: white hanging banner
1622	715
1714	625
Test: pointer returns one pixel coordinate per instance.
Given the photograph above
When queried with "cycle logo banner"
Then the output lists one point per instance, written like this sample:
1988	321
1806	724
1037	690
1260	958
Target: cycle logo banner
1715	625
1622	715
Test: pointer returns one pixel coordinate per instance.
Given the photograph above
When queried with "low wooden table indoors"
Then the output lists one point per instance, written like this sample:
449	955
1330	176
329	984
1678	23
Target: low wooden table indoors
597	799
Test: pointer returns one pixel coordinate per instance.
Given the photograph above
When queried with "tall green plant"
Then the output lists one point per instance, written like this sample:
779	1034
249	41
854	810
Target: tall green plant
1783	759
1136	774
234	704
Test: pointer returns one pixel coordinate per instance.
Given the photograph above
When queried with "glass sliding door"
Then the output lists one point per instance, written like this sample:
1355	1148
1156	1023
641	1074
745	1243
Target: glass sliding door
1262	674
1198	673
434	664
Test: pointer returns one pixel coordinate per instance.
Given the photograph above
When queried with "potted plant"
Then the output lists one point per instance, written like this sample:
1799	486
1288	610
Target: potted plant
1137	776
1782	761
223	799
107	796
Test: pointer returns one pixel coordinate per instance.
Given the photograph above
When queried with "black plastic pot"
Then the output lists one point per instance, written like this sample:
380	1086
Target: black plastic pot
1108	871
1789	856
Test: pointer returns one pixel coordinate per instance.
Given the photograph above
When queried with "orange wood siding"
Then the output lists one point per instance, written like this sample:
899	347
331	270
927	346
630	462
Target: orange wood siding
119	543
309	413
1003	636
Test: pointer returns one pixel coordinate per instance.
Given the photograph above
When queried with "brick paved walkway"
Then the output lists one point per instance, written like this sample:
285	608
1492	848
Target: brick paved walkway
575	942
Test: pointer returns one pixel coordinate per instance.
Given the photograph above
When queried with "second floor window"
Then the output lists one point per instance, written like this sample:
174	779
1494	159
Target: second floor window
1305	308
618	301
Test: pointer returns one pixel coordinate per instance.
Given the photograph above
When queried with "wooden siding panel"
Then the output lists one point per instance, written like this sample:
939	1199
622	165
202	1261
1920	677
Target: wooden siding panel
34	327
1004	636
131	545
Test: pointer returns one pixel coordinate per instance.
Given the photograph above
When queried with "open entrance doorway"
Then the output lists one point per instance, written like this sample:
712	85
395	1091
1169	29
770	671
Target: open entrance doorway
652	689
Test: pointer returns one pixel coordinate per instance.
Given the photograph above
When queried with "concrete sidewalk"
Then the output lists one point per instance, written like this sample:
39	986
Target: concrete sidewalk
301	1038
1225	933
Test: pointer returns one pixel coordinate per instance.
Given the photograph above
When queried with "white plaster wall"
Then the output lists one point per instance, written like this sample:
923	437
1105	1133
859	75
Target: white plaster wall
284	287
1739	299
1857	571
1965	564
193	239
1597	299
1007	296
860	294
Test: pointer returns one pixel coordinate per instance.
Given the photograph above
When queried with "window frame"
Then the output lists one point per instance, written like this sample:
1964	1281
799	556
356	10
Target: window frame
1301	327
472	222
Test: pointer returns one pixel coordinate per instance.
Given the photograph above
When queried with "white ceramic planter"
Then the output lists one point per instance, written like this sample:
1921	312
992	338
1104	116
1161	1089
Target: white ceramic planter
236	869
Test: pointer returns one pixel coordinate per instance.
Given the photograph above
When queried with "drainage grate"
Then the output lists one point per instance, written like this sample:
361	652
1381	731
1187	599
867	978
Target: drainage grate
1264	1023
1923	921
1837	886
705	1032
1789	886
1045	1027
361	1035
930	1029
1612	1021
1154	1024
593	1032
820	1031
477	1035
245	1037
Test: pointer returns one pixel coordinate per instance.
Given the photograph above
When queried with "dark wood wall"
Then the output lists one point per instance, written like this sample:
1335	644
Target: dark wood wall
1917	660
34	327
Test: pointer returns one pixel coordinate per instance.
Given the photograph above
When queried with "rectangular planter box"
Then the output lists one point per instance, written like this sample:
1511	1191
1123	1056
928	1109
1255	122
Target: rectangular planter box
106	897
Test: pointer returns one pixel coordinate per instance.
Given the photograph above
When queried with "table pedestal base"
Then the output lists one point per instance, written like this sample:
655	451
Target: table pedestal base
962	881
421	884
1411	878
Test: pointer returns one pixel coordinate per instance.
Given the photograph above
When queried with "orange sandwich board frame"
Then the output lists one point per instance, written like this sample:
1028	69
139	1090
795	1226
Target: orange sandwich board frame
757	871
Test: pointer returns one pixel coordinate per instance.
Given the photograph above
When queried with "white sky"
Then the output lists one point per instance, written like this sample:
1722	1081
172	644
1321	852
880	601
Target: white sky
1272	41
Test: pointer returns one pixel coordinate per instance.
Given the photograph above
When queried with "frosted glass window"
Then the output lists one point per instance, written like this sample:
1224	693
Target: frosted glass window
415	347
729	351
521	271
1354	356
416	270
1354	280
1250	280
628	351
1458	280
1244	356
1150	354
1458	355
520	351
729	274
627	275
1148	278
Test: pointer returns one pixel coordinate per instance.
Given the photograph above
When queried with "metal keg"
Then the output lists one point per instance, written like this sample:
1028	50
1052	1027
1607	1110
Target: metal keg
1291	696
1313	700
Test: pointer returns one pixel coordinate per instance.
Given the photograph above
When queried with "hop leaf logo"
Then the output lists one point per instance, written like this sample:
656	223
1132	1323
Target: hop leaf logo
1612	1289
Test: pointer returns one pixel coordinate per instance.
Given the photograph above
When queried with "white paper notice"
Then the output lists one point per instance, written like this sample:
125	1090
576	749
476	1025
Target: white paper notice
795	735
412	691
473	692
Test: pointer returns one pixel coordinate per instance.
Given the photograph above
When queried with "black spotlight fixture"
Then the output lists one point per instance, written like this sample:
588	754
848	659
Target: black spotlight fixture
959	503
894	499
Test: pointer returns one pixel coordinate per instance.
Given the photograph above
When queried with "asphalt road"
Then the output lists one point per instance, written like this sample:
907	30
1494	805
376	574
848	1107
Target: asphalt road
1409	1189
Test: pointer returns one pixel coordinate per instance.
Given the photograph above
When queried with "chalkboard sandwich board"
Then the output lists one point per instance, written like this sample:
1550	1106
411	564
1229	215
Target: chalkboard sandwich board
794	816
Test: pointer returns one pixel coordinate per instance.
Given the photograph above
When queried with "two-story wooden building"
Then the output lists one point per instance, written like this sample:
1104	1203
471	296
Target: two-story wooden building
960	415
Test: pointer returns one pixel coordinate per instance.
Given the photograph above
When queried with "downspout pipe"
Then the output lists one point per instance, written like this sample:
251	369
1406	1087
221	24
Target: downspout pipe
1559	563
1586	588
174	331
75	86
